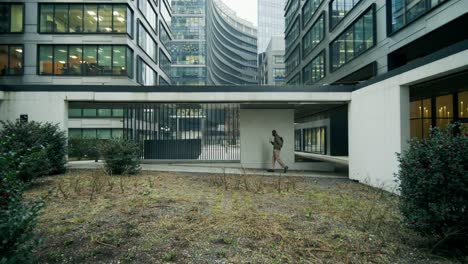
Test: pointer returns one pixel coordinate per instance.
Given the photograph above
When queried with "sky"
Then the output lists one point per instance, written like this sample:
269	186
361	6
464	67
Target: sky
246	9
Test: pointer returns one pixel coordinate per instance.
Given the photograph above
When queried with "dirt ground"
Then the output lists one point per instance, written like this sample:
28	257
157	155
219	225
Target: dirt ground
166	217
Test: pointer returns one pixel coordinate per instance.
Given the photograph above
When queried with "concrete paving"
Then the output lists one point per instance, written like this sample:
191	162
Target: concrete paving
211	168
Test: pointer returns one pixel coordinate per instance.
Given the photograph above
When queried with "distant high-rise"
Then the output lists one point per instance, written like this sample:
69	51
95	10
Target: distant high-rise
270	21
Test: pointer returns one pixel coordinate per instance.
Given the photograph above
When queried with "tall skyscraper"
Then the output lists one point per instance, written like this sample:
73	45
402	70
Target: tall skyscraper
188	47
270	21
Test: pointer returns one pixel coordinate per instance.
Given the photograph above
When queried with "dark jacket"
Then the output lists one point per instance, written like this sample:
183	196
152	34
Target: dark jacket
277	142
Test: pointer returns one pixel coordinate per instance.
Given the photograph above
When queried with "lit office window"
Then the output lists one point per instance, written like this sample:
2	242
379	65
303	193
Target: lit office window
339	9
145	74
444	110
165	13
293	34
314	140
315	70
314	36
85	18
463	105
148	11
164	62
11	18
309	9
293	61
147	43
293	7
11	60
85	60
352	42
403	12
420	118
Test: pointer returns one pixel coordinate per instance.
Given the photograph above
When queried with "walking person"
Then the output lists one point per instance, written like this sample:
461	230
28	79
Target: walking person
277	143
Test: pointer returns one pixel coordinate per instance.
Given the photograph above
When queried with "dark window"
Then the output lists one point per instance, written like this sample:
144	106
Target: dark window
403	12
353	41
164	36
293	34
290	12
85	60
164	62
314	36
11	18
309	9
315	70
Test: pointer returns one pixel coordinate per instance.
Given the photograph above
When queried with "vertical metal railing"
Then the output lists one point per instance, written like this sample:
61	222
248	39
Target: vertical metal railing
184	131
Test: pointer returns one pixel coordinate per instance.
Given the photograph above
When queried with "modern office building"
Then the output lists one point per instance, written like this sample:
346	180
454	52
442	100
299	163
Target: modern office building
188	48
231	47
271	63
270	22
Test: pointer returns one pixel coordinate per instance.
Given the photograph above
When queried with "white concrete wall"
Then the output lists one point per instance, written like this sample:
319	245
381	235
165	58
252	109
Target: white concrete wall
255	132
379	121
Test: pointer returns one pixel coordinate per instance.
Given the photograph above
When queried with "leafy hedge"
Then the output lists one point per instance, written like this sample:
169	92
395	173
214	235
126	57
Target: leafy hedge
121	157
83	148
17	218
39	148
433	177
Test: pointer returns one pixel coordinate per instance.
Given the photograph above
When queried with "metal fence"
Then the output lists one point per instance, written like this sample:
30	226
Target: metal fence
184	131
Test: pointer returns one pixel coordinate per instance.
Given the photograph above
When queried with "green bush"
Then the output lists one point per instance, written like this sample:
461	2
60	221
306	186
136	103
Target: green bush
433	177
17	218
84	148
41	146
121	157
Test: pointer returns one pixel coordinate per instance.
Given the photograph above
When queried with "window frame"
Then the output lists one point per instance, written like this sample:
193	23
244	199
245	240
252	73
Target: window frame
331	27
323	17
370	9
155	30
321	53
138	72
9	21
155	57
8	59
306	23
128	8
128	75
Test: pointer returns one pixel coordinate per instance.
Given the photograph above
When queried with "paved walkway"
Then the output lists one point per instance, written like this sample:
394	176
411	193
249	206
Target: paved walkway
212	168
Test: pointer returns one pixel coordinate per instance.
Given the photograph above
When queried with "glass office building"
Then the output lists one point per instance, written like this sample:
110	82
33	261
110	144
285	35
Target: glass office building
188	48
270	21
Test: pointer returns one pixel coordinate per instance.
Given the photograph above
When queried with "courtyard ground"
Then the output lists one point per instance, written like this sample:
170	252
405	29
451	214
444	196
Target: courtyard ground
159	217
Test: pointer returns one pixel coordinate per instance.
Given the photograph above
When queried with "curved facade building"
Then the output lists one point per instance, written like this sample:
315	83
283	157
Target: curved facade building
231	47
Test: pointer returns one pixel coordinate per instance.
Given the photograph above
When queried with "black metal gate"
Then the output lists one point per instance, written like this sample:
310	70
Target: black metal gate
184	131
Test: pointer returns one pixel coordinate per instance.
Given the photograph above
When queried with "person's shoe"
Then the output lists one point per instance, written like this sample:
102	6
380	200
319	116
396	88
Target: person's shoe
270	170
285	169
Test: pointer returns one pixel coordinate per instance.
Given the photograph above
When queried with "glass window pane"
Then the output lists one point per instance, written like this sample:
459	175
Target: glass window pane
89	112
118	65
74	133
74	112
463	104
76	18
104	63
117	112
45	59
3	60
75	59
104	112
46	18
444	110
129	21
90	60
4	17
104	134
369	29
61	18
415	109
427	108
117	133
165	13
16	18
16	60
90	18
89	133
416	128
120	18
105	18
60	60
129	62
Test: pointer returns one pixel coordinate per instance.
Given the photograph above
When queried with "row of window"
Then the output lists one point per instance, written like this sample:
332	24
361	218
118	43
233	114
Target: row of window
85	60
311	140
95	133
403	12
11	60
79	112
309	9
147	43
314	36
293	34
85	18
422	112
11	18
315	70
293	7
149	13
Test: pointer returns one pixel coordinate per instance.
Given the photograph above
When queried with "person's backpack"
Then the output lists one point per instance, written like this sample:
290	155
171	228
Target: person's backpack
281	142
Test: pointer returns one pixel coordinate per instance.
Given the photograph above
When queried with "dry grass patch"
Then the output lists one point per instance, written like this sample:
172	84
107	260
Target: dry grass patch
165	217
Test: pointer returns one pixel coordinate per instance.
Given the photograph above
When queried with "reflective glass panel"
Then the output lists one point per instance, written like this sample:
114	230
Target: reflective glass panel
105	60
76	18
105	18
60	60
90	18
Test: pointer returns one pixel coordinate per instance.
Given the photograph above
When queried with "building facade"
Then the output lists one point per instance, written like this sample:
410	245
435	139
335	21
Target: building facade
188	48
231	47
271	63
270	22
